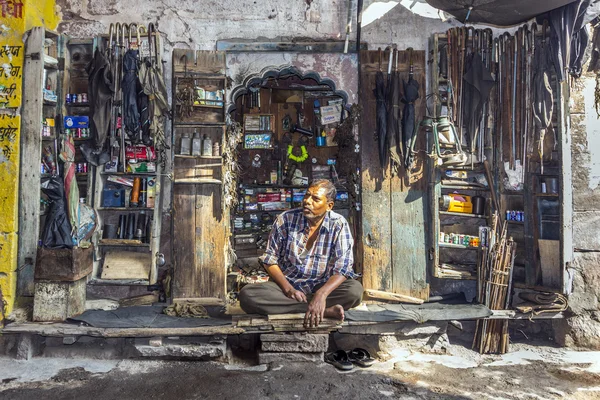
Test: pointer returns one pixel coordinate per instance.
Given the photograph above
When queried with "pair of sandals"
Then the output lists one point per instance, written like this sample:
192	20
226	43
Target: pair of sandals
345	360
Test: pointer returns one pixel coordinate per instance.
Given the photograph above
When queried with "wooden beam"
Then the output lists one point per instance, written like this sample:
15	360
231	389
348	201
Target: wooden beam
60	330
29	170
296	47
378	294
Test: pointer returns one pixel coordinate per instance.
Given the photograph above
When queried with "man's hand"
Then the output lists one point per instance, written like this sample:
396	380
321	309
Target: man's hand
297	295
315	312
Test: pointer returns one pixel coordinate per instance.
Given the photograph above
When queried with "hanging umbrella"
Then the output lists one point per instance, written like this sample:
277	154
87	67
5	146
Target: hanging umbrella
57	229
67	155
543	100
566	22
129	85
393	114
411	94
100	94
380	96
154	87
478	83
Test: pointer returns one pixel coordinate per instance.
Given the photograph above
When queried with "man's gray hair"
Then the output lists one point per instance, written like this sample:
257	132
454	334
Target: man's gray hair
329	187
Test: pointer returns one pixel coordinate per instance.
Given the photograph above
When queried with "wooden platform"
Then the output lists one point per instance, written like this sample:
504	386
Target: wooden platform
62	329
246	323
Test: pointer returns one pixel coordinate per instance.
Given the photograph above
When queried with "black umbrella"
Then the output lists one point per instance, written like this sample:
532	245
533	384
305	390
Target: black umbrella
478	83
543	100
566	23
129	86
57	229
393	114
381	114
411	94
100	94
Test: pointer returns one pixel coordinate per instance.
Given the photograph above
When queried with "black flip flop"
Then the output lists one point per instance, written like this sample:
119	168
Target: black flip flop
339	359
361	357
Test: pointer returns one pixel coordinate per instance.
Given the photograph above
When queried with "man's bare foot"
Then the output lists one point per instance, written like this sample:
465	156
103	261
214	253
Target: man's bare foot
335	312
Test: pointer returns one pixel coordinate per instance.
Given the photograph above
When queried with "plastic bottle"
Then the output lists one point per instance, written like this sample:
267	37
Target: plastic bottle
186	145
196	144
206	146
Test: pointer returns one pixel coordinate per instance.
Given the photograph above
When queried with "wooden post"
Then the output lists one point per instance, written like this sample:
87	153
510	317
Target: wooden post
31	148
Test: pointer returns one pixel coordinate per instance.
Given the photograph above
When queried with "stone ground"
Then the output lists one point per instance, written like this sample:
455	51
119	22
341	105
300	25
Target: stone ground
527	372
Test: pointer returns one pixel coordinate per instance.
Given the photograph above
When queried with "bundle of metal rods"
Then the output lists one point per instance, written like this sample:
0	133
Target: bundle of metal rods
494	287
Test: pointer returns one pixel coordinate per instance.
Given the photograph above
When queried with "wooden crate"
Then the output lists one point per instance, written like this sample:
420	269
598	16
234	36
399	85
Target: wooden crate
57	301
63	265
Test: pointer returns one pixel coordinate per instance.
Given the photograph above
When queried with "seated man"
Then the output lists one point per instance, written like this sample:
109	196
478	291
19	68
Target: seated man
309	259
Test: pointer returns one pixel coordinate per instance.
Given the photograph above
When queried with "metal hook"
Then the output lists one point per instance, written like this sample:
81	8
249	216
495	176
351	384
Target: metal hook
110	36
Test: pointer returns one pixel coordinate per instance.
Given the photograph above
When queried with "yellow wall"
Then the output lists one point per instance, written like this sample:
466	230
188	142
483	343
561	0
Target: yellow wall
16	17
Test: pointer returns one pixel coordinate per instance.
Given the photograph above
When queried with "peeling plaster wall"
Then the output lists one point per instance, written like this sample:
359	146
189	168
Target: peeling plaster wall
583	330
340	68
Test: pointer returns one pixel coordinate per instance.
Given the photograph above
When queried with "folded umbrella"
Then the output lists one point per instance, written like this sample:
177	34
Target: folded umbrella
411	94
129	85
100	93
381	115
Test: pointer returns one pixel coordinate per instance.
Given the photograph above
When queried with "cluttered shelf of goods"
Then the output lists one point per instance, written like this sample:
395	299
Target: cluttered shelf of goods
100	167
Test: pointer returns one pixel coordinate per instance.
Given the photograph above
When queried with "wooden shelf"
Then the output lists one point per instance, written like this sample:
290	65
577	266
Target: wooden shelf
125	209
50	103
208	106
75	105
119	282
48	138
197	124
197	181
122	243
198	157
546	194
516	222
465	187
456	214
457	246
129	173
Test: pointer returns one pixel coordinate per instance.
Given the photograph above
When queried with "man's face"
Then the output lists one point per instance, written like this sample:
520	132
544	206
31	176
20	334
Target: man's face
315	203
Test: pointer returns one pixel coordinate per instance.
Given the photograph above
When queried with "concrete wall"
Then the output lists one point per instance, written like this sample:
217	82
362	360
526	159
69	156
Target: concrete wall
583	330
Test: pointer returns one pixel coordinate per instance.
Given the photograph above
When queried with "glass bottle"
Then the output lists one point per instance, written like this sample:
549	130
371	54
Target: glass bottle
196	144
186	144
206	146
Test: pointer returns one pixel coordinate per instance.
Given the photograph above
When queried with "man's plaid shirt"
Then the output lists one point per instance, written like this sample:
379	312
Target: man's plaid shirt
304	268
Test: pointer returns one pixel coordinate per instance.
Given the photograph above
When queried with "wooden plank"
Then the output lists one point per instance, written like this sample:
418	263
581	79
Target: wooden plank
209	243
184	224
410	203
205	62
378	294
126	265
29	170
292	47
60	330
376	200
395	209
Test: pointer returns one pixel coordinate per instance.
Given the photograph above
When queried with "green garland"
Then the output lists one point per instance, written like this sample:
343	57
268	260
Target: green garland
295	158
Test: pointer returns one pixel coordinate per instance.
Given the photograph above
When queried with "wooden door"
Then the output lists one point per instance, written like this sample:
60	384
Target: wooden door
395	212
199	220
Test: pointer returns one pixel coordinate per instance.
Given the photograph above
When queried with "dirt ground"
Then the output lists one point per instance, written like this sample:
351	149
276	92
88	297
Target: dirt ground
525	373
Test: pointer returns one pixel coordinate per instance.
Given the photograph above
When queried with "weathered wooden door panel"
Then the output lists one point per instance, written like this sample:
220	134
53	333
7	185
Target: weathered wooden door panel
395	208
200	225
